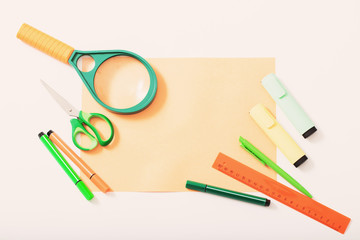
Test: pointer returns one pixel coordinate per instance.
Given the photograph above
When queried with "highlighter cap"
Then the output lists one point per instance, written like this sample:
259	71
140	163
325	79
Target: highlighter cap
293	111
84	190
196	186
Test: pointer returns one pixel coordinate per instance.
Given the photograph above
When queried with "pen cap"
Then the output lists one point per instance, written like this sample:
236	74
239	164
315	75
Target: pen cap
196	186
85	190
293	111
95	179
238	196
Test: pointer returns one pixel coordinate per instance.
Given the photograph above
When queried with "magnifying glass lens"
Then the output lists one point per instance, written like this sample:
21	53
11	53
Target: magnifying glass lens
121	82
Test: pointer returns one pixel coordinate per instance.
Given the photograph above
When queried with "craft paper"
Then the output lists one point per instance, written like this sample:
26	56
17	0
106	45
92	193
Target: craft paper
201	108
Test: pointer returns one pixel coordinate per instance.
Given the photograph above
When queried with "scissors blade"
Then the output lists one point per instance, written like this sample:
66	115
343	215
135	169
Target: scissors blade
68	108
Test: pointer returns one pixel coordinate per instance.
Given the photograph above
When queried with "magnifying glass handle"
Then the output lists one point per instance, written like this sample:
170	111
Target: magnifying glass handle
45	43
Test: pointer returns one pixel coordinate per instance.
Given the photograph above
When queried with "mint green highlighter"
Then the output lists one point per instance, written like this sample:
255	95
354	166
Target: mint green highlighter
288	105
80	119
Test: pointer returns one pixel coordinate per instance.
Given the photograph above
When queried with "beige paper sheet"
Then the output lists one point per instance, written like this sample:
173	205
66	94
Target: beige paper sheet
201	108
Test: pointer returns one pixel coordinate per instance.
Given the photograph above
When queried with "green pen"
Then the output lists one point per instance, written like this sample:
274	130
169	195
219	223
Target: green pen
267	161
65	166
227	193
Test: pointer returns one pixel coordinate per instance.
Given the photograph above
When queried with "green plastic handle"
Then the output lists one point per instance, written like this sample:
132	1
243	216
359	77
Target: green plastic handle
85	117
100	57
78	128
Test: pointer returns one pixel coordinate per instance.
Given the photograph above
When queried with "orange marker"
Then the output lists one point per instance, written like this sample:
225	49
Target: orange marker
89	173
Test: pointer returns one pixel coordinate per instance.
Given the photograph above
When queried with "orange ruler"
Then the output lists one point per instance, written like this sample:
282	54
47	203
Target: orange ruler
281	193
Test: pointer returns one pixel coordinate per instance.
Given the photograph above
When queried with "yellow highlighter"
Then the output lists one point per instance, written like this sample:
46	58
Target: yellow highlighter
277	134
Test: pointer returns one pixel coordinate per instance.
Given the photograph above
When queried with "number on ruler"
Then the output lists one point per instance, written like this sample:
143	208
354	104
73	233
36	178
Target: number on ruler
273	193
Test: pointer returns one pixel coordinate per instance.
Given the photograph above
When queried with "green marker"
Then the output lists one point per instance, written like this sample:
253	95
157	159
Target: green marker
227	193
267	161
65	165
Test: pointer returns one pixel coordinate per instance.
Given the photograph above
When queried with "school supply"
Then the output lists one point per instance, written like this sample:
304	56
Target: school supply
289	105
138	97
84	167
65	166
80	119
268	162
281	193
272	128
156	149
227	193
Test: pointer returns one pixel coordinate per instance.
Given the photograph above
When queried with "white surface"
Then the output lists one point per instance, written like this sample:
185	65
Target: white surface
317	49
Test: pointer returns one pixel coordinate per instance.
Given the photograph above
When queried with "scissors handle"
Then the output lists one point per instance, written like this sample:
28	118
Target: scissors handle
86	117
78	128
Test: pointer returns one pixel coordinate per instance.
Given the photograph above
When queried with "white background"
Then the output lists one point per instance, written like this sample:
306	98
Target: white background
317	49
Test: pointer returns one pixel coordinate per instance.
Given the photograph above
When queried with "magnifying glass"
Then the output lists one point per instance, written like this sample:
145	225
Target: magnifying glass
107	73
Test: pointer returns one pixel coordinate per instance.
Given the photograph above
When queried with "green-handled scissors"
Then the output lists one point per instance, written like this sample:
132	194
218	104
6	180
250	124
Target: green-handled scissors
80	119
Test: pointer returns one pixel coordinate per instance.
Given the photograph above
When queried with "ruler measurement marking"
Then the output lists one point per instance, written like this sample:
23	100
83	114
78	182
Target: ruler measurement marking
316	214
278	197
